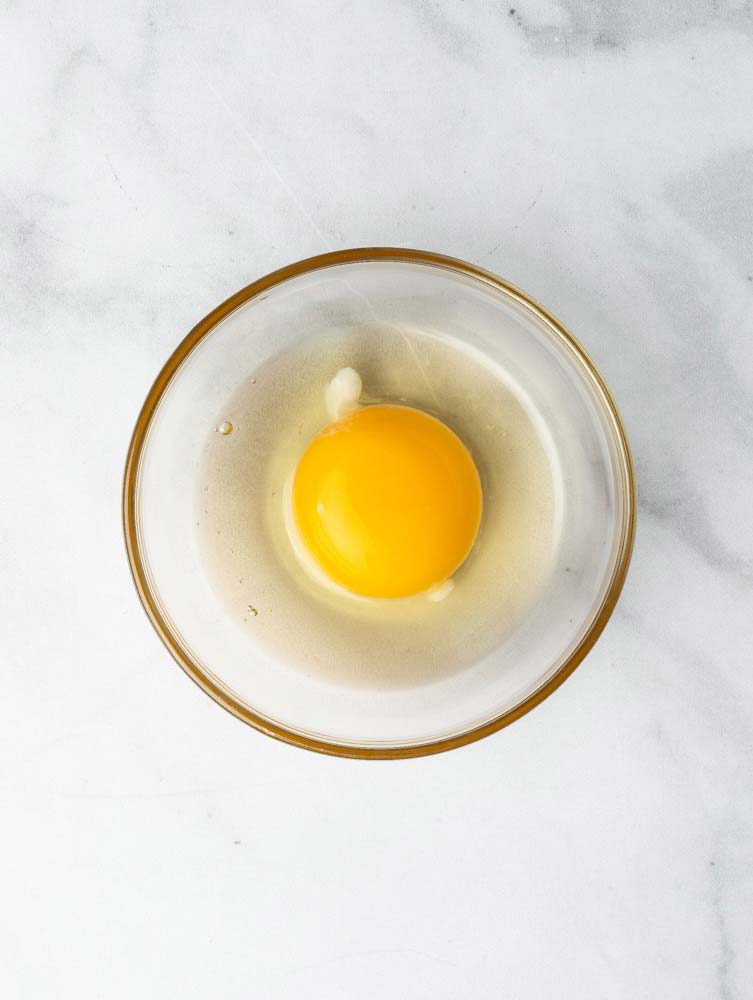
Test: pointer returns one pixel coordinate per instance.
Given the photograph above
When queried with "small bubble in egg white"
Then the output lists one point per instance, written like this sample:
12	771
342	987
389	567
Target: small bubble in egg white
225	427
252	610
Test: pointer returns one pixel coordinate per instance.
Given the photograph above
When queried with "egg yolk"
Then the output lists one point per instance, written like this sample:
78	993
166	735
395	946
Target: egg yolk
387	500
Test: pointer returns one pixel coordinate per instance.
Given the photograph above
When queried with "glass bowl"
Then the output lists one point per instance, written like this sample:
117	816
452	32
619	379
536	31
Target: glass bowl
383	296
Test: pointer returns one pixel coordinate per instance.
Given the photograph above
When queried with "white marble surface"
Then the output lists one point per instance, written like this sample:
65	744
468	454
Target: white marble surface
154	158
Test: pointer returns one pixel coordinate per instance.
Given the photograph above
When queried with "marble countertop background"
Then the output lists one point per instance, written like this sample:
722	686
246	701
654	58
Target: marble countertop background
154	158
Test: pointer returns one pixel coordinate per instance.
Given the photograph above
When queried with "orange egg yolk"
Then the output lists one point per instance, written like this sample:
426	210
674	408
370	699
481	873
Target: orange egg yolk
387	500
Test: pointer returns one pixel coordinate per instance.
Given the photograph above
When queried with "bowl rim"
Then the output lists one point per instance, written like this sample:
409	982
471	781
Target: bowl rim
164	627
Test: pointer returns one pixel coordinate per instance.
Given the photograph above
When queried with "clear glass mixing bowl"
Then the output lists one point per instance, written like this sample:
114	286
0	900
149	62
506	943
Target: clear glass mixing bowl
390	289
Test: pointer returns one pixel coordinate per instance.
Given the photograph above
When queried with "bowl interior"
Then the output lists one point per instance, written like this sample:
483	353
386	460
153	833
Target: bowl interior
404	316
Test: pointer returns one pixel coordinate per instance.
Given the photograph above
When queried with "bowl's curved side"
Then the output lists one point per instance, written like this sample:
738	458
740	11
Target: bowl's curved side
168	634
